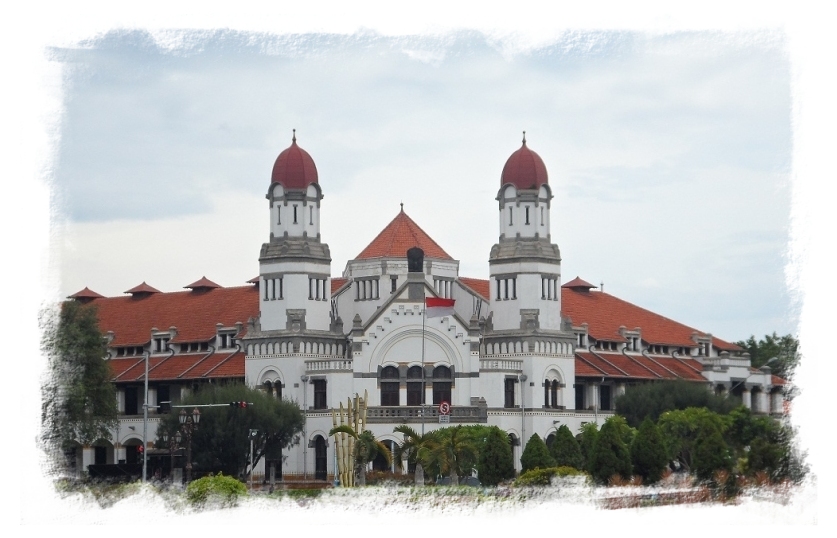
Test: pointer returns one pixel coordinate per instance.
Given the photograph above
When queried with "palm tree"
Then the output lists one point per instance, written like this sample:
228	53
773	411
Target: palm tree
447	451
366	447
413	449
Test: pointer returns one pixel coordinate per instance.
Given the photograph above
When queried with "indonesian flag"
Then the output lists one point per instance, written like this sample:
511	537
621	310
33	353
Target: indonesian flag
435	307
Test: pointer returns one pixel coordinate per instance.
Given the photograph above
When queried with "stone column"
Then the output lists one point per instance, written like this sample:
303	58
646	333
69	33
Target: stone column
746	400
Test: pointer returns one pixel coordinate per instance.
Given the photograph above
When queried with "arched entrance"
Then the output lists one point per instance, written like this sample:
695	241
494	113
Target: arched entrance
320	458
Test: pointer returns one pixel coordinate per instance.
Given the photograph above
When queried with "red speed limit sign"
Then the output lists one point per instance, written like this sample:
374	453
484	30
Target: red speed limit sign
444	408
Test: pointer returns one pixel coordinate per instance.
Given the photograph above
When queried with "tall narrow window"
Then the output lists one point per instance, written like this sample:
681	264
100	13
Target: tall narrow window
394	281
279	214
294	213
541	216
554	393
264	282
509	391
511	218
390	386
319	393
604	397
579	396
415	386
498	288
441	385
310	214
527	215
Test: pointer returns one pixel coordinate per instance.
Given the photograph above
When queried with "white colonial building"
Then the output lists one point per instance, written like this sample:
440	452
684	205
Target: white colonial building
522	351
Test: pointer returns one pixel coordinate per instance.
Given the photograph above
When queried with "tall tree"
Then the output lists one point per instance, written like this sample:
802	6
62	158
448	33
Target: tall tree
784	348
79	399
610	455
412	448
445	452
683	430
221	442
586	442
565	449
536	455
650	400
648	454
496	462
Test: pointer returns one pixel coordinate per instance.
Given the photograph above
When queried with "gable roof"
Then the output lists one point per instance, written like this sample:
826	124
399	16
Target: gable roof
605	314
194	314
477	285
400	235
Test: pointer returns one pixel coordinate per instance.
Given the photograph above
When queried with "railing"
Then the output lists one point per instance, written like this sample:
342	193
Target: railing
328	365
413	414
501	365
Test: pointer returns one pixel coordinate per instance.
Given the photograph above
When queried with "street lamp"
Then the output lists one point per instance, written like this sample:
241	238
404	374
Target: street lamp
174	444
304	380
188	425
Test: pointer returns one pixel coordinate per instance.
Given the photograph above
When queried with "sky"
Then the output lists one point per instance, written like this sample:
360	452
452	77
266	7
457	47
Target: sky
689	147
669	155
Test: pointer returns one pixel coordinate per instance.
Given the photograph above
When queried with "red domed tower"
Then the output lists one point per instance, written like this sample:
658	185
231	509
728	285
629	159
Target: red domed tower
525	265
294	266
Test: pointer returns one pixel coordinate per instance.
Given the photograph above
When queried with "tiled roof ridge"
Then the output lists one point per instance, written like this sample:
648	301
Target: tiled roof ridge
395	225
688	362
578	356
184	372
644	354
608	362
462	280
159	363
222	361
625	353
130	368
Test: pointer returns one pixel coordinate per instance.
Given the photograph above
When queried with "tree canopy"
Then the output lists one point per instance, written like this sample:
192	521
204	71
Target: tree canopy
221	442
610	455
79	399
784	348
651	400
565	449
496	462
648	453
536	455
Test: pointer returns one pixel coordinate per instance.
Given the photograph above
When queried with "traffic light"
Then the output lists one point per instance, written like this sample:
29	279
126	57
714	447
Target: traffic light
238	404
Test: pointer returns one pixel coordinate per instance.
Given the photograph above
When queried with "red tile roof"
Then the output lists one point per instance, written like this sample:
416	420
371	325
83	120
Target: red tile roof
524	169
337	283
294	168
203	283
86	293
578	283
143	288
179	367
477	285
400	235
194	314
605	314
619	366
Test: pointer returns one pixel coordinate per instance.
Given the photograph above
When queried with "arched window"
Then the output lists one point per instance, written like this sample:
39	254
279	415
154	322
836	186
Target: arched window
390	386
442	383
415	386
554	393
320	458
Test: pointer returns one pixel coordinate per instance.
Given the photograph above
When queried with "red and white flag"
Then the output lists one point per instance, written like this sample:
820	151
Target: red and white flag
435	307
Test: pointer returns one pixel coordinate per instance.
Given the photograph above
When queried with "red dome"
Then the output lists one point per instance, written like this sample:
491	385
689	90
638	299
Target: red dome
294	168
524	169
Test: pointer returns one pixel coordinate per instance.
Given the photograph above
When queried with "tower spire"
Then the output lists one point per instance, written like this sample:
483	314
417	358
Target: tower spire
294	138
524	138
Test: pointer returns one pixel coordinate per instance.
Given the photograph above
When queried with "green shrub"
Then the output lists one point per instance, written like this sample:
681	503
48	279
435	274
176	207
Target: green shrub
565	450
536	455
610	456
543	477
495	463
222	489
648	454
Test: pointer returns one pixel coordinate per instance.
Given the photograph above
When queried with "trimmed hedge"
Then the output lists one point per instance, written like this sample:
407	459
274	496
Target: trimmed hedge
223	489
543	477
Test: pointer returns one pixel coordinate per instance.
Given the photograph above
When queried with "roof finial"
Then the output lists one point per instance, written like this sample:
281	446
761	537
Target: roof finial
294	138
402	207
524	138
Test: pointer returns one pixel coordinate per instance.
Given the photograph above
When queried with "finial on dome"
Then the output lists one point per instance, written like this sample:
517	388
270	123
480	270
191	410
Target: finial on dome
402	207
524	138
294	138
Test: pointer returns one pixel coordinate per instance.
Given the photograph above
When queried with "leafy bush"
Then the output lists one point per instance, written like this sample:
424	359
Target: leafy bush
610	456
222	489
651	400
648	453
536	455
565	450
543	477
495	463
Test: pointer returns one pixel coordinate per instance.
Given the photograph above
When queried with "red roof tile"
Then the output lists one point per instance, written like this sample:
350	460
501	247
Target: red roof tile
619	366
776	380
142	288
477	285
578	283
337	283
605	314
203	283
193	314
86	293
191	366
400	235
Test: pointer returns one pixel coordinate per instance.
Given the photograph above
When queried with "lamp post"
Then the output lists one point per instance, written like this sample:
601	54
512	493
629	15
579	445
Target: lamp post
522	379
188	425
174	444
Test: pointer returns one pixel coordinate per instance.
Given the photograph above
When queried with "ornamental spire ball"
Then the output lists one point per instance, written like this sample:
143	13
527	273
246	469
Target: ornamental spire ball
524	169
294	168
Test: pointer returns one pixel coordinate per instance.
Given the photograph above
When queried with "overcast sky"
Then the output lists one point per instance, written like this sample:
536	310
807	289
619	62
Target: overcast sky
669	156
